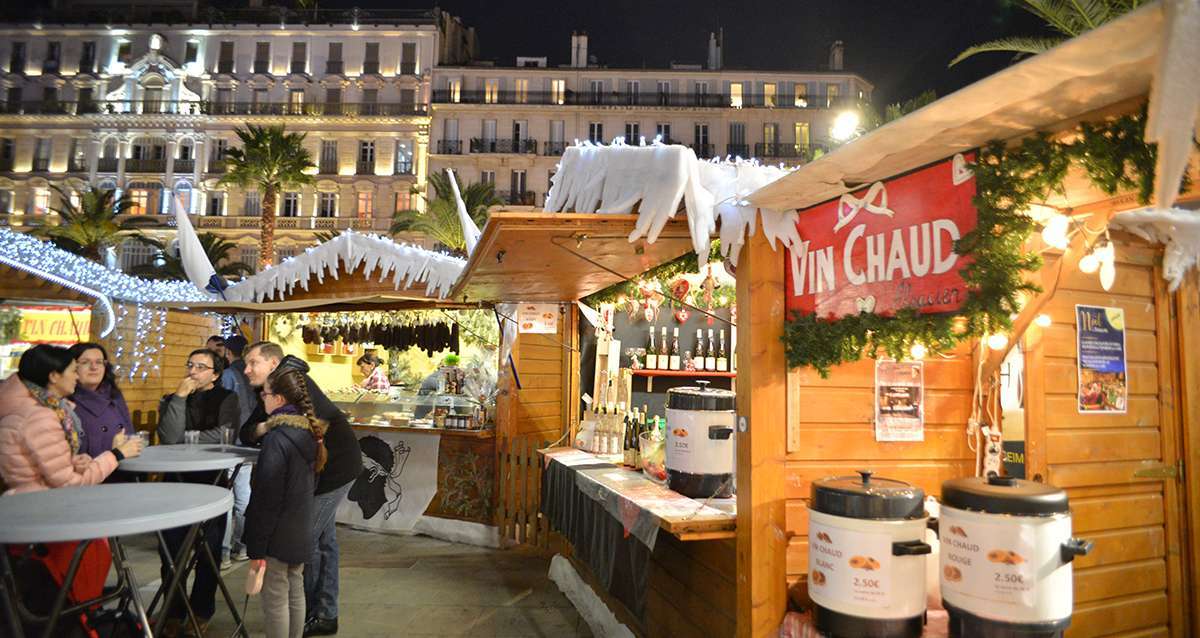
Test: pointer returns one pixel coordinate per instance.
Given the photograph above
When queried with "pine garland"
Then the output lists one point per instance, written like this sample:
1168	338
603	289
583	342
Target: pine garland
1008	180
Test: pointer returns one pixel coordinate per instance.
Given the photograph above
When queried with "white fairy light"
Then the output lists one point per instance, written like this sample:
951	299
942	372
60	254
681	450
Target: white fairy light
997	341
1043	320
918	351
1055	232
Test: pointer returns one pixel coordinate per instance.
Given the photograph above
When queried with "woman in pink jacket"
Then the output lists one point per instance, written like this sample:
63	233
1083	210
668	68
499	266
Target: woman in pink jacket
41	441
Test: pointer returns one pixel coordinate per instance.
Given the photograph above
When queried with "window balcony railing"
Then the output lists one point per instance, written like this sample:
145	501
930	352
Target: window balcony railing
526	146
517	198
405	168
225	66
216	165
170	107
449	147
648	99
737	150
41	164
185	165
77	166
327	168
334	67
408	68
704	151
777	150
145	165
365	168
554	149
262	66
299	66
107	164
6	164
371	67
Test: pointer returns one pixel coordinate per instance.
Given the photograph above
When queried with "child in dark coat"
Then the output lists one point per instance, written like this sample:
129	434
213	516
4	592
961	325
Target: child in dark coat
278	532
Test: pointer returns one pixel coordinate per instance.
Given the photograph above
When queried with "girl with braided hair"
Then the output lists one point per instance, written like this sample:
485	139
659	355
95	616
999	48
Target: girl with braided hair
279	518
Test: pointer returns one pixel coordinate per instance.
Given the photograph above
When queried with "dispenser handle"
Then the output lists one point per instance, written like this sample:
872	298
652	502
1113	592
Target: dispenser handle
911	548
1075	547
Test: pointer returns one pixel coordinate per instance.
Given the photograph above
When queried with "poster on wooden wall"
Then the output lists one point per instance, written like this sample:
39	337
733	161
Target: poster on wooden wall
1103	384
899	400
537	318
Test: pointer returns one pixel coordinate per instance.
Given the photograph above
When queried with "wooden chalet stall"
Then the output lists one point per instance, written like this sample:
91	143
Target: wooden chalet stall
1122	469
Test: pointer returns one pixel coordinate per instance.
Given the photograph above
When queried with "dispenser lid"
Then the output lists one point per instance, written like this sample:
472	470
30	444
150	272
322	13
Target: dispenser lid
1004	495
700	398
868	497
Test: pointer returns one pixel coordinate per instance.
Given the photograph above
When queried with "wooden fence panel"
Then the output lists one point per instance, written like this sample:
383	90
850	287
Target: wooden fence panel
517	513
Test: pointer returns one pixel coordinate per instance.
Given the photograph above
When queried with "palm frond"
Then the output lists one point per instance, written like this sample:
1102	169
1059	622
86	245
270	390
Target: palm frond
1019	45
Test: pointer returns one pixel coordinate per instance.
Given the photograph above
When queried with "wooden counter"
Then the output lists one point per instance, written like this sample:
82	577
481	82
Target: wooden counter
471	434
684	518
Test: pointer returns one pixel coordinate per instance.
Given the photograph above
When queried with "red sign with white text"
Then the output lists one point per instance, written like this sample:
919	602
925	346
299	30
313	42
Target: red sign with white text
886	247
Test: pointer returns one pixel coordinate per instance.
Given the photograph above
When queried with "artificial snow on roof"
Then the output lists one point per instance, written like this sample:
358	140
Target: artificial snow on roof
406	265
658	177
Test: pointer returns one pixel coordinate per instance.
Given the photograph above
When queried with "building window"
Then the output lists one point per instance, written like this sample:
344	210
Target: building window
225	57
327	205
520	91
371	58
664	92
517	183
299	57
41	155
143	197
801	95
290	205
701	135
557	130
249	255
597	91
262	57
404	157
454	87
41	201
333	97
832	91
662	131
370	96
296	101
333	61
87	57
770	132
16	58
134	253
633	91
125	52
329	159
487	177
633	133
253	204
216	204
491	91
284	253
801	129
366	205
408	58
735	95
366	157
596	132
403	200
183	190
191	51
769	94
261	99
558	91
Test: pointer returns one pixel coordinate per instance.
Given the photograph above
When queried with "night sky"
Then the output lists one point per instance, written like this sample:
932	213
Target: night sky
901	46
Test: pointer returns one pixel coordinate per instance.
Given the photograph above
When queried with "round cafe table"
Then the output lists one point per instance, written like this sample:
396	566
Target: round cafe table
184	459
96	512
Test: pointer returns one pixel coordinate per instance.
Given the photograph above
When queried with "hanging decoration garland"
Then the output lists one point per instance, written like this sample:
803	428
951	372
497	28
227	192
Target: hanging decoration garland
666	272
1114	156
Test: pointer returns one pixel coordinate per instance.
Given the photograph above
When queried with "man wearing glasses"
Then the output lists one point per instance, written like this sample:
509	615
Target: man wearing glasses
198	405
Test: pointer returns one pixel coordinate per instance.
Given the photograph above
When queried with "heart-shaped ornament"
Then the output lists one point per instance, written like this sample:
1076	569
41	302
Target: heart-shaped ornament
865	304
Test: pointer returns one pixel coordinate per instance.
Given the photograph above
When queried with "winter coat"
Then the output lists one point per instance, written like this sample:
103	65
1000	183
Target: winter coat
234	379
279	518
34	452
345	457
103	414
206	411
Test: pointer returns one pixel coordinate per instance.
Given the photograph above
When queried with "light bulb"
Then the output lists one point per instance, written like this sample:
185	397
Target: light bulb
1090	263
1108	274
1043	320
997	341
1055	232
918	351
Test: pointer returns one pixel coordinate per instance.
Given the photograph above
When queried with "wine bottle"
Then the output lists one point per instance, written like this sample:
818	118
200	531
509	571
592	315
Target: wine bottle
651	352
601	436
722	360
675	350
664	356
710	354
627	447
698	357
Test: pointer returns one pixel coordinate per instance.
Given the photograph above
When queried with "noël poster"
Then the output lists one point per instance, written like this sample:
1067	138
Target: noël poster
899	400
1103	380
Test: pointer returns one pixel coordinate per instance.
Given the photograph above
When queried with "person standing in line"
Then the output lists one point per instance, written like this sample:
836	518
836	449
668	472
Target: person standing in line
279	519
199	404
216	343
234	379
98	401
344	466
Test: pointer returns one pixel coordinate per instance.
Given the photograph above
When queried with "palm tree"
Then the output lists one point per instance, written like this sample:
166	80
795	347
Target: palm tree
440	220
1068	17
90	228
272	160
167	263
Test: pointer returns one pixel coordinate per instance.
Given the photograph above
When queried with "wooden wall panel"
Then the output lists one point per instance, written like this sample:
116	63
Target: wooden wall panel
1123	586
542	363
691	588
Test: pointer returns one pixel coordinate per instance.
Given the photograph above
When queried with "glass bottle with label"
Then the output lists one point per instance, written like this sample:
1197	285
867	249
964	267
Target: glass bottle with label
651	352
698	357
710	355
674	364
664	355
722	360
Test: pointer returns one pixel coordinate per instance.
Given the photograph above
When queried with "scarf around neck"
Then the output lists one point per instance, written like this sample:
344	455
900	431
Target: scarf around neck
62	410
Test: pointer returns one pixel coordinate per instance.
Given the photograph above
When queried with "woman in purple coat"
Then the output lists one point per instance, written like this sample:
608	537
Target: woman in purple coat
98	401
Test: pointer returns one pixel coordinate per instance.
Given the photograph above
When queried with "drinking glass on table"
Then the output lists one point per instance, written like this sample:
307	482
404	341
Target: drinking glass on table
226	436
145	437
191	437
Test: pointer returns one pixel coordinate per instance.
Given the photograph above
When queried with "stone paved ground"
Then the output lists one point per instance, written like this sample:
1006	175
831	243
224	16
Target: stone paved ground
419	586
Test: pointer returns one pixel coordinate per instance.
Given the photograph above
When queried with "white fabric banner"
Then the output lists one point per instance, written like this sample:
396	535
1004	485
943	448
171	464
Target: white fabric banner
397	483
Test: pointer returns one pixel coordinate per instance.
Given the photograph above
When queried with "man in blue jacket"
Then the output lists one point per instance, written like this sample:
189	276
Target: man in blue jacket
342	468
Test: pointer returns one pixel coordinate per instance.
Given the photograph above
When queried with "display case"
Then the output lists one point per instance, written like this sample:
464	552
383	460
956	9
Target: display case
399	407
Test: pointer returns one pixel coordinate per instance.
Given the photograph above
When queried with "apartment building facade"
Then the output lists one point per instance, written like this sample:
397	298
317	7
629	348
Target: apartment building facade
151	110
509	125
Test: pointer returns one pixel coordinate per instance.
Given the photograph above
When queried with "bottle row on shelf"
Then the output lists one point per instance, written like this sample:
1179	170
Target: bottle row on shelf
709	355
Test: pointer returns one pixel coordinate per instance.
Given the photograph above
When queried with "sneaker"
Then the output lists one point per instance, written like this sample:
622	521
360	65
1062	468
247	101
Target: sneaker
189	632
241	556
227	565
320	627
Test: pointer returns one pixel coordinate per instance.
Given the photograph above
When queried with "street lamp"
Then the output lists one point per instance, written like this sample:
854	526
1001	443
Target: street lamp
845	126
